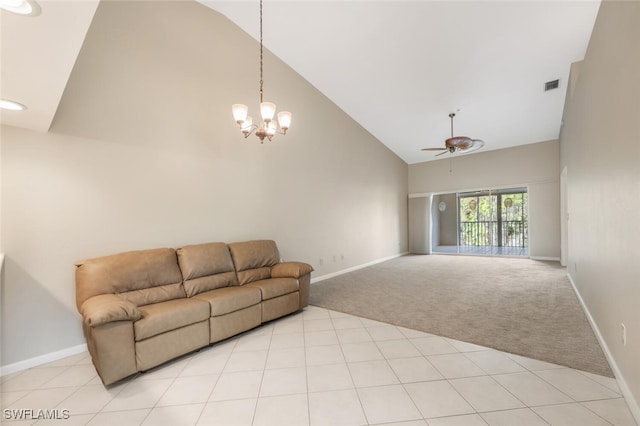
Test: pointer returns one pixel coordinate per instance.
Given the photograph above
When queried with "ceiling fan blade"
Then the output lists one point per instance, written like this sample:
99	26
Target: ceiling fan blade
437	155
433	149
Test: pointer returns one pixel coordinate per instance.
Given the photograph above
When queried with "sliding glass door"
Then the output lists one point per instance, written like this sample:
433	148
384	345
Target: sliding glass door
487	222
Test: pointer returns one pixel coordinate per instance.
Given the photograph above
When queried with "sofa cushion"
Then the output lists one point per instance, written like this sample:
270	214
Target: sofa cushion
290	269
170	315
253	259
251	275
230	299
206	267
274	287
161	293
141	277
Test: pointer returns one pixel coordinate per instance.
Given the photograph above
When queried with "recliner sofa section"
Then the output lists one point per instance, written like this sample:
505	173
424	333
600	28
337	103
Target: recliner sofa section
143	308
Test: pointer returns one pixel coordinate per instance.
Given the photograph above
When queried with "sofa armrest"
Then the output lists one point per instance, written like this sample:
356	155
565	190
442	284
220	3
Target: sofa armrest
290	270
105	308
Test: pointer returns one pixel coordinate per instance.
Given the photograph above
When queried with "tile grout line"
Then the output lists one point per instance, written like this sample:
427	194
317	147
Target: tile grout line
306	371
264	369
355	388
206	402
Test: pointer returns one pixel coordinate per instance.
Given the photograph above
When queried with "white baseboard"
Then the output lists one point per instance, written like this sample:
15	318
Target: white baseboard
355	268
622	383
553	259
42	359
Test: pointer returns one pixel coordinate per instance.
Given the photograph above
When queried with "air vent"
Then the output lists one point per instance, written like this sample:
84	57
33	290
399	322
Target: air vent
550	85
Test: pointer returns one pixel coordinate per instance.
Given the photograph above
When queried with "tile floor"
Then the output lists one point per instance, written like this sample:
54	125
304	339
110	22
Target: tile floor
321	367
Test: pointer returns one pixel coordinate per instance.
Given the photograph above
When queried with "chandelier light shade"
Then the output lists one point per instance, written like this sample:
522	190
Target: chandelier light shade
269	126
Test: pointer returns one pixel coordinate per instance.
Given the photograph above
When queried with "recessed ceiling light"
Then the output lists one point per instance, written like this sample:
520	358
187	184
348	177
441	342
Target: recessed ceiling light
11	105
21	7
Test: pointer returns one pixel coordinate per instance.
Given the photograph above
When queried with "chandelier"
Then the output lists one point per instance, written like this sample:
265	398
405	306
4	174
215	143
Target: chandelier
269	126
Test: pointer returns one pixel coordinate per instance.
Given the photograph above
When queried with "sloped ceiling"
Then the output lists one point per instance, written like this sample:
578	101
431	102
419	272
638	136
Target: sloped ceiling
37	56
396	67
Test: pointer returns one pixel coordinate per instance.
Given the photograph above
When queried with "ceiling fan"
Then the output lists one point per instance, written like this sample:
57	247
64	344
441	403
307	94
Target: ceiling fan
461	144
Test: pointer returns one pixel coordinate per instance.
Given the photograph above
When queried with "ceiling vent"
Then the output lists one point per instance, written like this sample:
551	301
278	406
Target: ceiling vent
551	85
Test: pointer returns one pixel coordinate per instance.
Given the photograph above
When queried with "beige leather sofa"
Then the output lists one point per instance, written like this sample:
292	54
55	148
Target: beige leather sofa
143	308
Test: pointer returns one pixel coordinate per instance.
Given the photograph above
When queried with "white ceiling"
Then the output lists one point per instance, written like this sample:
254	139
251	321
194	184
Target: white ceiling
397	67
37	56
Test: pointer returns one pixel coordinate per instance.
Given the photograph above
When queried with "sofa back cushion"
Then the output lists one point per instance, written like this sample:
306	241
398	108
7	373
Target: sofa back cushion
206	267
141	277
253	259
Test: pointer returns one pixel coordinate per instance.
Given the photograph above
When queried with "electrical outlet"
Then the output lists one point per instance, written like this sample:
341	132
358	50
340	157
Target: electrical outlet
623	331
321	261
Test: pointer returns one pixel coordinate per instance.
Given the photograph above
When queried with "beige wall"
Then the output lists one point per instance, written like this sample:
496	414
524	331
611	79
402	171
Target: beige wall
600	148
448	222
435	222
143	153
420	234
535	166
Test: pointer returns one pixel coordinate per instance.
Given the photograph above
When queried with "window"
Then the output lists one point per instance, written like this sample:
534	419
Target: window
494	219
491	221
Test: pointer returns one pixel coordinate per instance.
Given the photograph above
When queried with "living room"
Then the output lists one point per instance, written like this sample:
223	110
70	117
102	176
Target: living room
142	153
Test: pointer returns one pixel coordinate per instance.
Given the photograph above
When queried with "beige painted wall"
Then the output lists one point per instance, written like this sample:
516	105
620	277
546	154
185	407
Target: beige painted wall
143	153
535	166
435	222
448	222
600	147
419	236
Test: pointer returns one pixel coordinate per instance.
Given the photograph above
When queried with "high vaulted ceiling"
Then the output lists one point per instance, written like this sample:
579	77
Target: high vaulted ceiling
36	58
396	67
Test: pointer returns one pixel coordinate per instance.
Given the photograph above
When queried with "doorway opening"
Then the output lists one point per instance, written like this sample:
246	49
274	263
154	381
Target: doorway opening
486	222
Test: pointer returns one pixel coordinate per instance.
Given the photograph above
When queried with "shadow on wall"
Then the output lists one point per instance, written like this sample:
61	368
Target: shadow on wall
43	312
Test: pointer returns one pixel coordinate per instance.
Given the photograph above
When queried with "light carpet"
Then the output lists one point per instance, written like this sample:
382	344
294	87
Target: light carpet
520	306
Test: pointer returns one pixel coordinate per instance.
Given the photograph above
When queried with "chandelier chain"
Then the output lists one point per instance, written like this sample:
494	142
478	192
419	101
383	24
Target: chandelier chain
261	81
271	123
